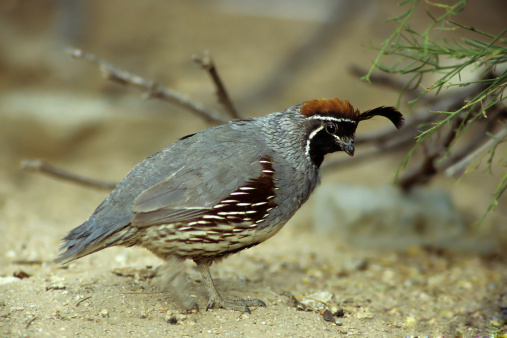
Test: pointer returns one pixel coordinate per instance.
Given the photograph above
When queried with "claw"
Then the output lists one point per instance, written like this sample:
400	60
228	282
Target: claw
210	304
215	300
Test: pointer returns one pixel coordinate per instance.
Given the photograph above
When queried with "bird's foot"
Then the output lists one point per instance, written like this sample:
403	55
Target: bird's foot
234	304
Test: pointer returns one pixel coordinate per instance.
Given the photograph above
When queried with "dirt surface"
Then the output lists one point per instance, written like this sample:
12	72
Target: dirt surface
60	110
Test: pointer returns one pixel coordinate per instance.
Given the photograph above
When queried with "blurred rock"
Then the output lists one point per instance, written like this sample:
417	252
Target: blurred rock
384	217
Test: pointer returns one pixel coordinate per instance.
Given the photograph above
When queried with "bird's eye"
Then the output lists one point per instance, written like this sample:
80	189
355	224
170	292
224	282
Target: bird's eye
331	128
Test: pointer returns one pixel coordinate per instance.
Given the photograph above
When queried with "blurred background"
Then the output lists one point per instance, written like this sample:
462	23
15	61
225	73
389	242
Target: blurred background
270	54
409	264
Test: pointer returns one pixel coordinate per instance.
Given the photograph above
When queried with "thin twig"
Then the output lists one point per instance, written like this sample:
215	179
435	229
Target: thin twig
151	88
439	145
317	300
45	168
480	137
27	262
390	134
386	81
140	293
30	322
459	168
381	150
206	63
423	172
82	300
435	148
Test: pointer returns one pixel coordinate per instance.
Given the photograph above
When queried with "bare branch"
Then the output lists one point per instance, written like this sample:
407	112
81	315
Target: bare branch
437	147
206	63
432	152
495	118
379	150
151	88
457	169
45	168
409	131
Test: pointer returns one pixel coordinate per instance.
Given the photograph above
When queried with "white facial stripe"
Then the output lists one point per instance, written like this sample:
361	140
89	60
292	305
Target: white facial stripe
313	133
309	140
338	138
331	119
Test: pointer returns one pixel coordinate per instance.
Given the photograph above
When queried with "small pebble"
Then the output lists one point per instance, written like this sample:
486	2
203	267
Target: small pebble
17	308
20	274
339	313
328	316
364	315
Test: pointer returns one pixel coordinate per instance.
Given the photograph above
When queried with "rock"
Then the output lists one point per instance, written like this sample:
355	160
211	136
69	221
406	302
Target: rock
385	217
317	301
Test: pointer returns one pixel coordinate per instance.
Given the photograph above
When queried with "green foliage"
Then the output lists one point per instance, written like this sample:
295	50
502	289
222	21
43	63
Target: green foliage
419	55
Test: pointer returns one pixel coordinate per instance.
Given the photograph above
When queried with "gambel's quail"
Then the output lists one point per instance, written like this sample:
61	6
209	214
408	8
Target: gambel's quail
223	189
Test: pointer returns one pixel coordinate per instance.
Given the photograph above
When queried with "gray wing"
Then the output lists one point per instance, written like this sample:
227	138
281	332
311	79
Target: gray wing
198	185
176	184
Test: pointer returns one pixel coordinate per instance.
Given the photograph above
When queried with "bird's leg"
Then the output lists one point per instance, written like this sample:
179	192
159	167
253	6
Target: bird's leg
174	279
216	300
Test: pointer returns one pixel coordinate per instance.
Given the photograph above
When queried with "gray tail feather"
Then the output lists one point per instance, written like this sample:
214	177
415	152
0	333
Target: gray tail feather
90	237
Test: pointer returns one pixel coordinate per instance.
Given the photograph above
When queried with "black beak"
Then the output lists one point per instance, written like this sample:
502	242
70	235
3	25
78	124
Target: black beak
348	147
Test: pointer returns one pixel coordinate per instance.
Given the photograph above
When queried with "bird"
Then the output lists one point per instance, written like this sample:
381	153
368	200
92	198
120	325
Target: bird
223	189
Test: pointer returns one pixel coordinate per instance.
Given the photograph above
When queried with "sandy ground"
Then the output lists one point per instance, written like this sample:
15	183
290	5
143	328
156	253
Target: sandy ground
60	110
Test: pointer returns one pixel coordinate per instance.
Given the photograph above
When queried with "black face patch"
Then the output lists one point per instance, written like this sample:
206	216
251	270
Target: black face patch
325	136
343	129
